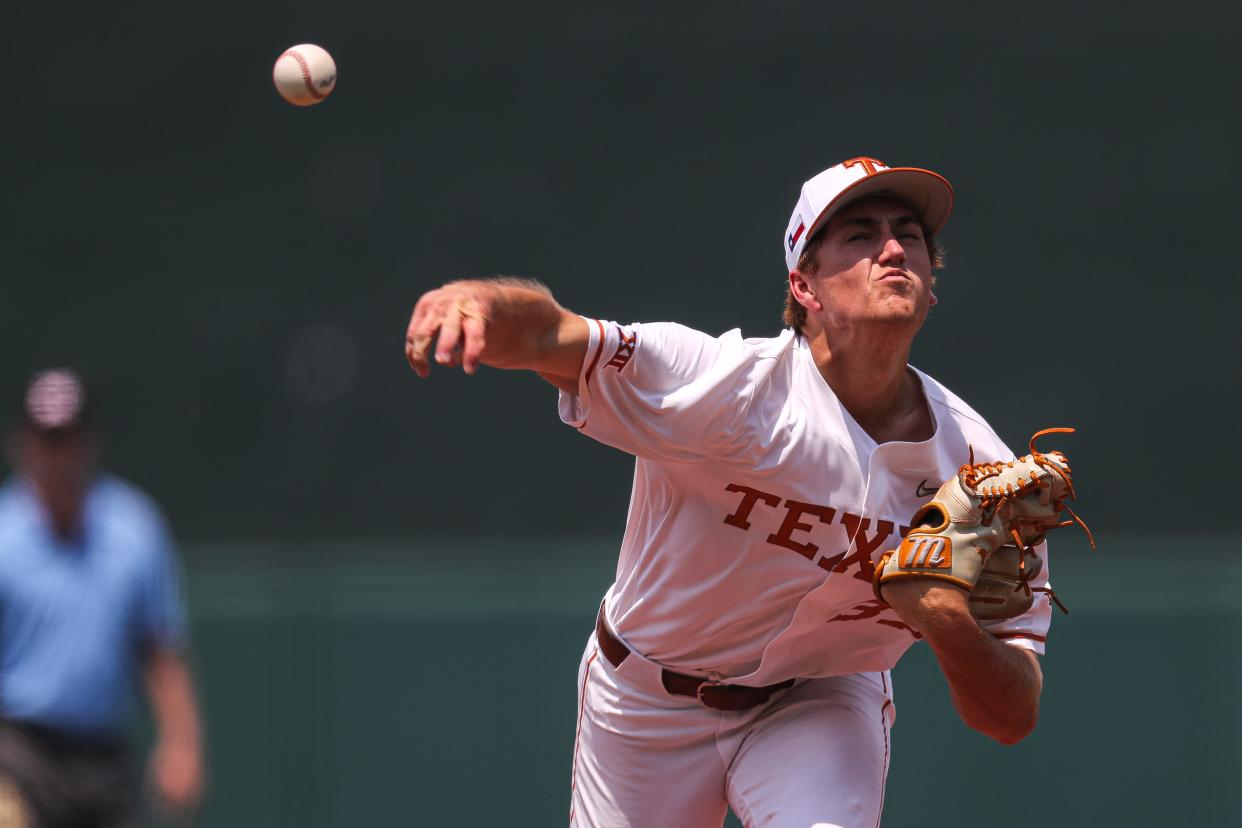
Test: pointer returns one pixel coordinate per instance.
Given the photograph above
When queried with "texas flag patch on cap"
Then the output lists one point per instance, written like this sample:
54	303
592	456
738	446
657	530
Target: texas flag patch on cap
792	239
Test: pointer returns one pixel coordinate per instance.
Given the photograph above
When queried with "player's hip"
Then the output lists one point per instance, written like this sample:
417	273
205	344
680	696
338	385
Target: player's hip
617	677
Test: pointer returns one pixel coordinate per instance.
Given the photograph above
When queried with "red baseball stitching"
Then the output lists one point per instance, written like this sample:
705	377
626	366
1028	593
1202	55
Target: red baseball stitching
306	75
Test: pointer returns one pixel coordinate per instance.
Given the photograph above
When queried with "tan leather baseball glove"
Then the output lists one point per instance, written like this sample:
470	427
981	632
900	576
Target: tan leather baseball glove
980	530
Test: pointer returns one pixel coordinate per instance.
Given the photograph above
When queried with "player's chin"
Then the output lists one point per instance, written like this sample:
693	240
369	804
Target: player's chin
899	310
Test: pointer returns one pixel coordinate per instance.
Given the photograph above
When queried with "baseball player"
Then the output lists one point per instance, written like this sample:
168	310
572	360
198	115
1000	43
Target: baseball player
741	658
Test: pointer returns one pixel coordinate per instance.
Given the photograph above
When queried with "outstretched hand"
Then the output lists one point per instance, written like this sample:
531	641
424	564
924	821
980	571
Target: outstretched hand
454	318
504	322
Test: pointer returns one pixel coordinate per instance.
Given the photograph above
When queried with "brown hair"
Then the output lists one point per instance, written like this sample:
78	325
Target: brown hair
795	314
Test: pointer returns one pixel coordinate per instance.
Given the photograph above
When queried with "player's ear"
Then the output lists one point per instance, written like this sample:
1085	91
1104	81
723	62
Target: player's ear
803	291
934	300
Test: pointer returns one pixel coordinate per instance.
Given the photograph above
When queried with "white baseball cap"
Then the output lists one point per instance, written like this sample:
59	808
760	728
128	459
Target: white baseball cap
929	193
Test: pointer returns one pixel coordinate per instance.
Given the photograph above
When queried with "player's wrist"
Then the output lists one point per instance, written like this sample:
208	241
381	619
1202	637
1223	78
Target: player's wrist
934	608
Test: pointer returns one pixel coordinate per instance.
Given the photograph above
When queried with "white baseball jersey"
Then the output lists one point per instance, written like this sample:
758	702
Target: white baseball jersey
759	505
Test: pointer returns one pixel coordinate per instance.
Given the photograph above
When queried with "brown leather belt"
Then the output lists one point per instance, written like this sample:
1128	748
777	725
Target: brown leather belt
710	693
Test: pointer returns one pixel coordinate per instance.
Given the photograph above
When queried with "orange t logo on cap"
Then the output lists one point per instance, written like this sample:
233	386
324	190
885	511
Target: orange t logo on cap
868	164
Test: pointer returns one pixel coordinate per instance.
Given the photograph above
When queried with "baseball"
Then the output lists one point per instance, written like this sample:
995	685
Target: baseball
304	75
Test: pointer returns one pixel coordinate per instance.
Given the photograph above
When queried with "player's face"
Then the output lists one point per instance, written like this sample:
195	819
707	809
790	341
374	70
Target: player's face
58	463
874	266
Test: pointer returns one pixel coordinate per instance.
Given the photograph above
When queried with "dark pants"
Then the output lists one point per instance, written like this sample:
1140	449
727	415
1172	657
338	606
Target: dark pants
54	780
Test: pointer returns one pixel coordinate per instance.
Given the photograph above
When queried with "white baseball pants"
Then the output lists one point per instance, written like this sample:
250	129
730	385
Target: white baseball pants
814	756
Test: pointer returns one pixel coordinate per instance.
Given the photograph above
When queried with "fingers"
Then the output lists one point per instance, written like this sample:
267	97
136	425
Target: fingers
475	329
450	333
419	334
454	321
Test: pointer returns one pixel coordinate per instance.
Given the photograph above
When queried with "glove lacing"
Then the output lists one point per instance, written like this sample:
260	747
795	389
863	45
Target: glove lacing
994	497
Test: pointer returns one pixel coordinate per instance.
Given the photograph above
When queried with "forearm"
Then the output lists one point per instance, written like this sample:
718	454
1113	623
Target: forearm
177	760
995	687
523	326
170	688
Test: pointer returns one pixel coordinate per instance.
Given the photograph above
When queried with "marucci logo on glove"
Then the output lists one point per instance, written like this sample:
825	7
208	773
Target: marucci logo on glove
925	552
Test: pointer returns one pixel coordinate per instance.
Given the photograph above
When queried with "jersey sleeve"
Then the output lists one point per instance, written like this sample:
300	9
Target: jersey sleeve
661	391
1028	631
161	617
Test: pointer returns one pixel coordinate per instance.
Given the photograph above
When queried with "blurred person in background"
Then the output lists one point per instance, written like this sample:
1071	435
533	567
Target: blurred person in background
90	606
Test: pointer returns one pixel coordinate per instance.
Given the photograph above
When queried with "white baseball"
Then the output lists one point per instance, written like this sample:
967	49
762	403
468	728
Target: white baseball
304	75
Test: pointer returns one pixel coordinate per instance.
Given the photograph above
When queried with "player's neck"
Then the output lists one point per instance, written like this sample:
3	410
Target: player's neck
870	376
63	506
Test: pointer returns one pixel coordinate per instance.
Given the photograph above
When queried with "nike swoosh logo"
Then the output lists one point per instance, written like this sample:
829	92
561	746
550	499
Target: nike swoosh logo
924	492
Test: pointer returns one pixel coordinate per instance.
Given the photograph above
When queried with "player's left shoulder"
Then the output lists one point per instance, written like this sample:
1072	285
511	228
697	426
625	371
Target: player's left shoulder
958	422
124	510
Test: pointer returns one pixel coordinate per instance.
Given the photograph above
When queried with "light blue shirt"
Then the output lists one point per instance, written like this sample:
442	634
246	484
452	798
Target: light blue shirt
76	618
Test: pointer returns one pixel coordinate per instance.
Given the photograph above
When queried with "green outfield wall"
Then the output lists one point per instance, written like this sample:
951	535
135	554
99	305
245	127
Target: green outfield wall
432	683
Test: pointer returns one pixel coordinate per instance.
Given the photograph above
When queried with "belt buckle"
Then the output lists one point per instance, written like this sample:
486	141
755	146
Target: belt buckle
698	692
